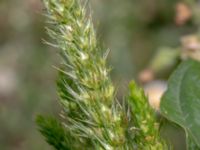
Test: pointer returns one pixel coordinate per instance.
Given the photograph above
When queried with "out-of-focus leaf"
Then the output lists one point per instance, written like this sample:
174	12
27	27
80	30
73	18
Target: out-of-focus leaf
165	58
181	102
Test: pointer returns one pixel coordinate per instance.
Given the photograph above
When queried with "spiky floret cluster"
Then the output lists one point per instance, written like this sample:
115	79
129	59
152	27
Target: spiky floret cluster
92	117
147	135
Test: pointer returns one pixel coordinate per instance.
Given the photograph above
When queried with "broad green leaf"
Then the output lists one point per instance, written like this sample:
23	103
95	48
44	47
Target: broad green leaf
191	145
181	102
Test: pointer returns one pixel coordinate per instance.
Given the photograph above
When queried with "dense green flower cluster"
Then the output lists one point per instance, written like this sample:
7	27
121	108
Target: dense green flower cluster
147	137
92	118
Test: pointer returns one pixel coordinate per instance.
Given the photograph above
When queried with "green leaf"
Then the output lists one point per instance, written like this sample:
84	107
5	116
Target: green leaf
191	145
181	102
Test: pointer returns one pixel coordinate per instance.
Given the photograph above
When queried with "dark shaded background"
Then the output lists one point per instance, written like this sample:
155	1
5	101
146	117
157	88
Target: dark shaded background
133	29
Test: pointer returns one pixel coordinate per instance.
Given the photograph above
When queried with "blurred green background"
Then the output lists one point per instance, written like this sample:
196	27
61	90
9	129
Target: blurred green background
133	29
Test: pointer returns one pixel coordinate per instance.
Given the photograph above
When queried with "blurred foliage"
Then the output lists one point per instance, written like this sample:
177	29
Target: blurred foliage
132	29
